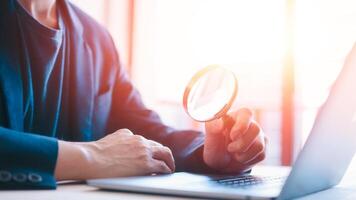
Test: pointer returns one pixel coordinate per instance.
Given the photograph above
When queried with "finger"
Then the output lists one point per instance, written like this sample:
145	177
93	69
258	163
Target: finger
256	160
160	167
243	119
237	167
242	144
261	156
256	149
124	132
154	143
164	154
215	126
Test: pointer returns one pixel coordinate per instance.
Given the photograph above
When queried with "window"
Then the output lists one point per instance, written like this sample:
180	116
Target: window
174	39
171	40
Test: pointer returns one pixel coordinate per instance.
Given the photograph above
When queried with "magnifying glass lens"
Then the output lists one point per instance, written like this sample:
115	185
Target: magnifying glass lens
210	93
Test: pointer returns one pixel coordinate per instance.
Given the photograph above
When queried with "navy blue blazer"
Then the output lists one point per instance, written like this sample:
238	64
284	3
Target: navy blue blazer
98	98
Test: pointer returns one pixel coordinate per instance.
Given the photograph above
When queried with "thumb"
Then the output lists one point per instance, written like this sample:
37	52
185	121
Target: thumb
215	126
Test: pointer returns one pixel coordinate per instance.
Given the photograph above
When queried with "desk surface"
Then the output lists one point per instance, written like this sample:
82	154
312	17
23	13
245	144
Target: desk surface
73	191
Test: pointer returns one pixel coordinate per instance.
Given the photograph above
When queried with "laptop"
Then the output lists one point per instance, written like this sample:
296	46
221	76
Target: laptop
320	165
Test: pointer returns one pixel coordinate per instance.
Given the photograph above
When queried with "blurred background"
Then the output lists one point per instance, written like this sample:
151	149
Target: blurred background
285	53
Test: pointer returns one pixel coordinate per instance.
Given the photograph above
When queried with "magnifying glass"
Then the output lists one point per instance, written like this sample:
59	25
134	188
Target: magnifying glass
210	93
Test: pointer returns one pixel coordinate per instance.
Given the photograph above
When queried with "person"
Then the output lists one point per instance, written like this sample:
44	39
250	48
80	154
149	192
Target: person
69	111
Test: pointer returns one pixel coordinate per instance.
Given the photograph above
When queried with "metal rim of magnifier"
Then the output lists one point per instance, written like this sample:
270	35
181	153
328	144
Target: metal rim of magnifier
194	80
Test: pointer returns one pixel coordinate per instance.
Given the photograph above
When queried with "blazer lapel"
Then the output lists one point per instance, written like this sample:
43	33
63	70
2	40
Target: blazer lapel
10	74
13	94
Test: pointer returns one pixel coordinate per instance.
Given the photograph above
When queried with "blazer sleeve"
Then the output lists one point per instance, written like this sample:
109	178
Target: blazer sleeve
128	111
27	161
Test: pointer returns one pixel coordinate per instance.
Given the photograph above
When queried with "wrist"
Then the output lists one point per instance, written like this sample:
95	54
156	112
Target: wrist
75	161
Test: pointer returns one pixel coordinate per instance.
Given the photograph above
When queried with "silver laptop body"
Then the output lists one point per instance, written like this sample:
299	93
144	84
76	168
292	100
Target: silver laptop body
320	165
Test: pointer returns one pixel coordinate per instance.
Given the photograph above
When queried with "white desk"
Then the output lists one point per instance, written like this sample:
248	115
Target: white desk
345	190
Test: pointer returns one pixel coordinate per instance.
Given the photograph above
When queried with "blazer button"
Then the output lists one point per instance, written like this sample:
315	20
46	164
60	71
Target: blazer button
34	178
5	176
20	177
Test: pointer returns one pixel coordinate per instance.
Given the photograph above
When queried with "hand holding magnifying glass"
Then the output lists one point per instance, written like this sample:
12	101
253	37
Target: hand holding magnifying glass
210	94
233	142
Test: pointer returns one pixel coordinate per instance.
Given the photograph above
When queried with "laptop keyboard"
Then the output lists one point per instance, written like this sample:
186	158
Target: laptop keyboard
249	181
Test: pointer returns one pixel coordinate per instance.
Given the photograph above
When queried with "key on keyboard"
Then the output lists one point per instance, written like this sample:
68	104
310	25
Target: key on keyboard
249	180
